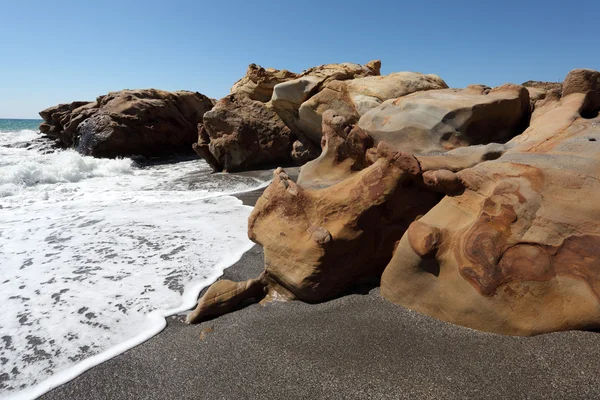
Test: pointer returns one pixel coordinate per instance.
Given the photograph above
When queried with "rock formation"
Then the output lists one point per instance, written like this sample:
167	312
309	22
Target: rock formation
240	133
512	247
354	97
147	122
258	83
289	96
517	252
254	127
440	120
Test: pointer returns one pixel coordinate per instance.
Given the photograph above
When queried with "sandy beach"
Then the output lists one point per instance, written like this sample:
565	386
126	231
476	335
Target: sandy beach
357	346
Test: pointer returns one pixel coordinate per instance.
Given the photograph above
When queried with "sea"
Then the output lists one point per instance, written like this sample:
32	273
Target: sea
96	253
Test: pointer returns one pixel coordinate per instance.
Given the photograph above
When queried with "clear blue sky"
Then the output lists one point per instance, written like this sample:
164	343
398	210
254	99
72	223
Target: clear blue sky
61	51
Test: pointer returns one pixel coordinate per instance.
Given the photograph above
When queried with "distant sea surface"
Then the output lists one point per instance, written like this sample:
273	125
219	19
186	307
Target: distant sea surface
94	253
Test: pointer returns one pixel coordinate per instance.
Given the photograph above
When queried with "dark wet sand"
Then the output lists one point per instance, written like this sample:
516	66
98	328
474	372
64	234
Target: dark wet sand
355	347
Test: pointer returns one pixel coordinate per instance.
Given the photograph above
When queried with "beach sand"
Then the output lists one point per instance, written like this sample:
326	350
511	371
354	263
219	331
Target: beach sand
357	346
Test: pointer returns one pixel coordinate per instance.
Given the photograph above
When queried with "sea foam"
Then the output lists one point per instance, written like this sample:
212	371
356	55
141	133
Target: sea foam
94	253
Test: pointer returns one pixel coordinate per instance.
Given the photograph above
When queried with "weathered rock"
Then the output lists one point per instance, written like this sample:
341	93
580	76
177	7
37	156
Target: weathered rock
440	120
344	153
320	241
353	98
518	250
147	122
539	92
242	133
258	82
289	96
512	248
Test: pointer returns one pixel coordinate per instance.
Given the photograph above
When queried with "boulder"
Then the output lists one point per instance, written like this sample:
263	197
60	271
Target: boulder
289	96
241	134
517	250
321	239
540	91
440	120
146	122
353	98
258	83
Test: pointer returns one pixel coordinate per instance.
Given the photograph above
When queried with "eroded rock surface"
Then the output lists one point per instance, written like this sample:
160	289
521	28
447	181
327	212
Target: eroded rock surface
498	237
129	122
258	83
289	96
517	251
240	133
441	120
353	98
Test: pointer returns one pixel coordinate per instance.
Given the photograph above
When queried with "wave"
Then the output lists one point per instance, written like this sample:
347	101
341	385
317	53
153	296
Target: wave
95	253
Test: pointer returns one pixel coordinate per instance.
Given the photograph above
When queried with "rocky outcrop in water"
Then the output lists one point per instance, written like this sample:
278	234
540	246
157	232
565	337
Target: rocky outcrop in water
497	237
146	122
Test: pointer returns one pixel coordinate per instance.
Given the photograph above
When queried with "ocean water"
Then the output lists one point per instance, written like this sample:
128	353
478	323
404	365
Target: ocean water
95	253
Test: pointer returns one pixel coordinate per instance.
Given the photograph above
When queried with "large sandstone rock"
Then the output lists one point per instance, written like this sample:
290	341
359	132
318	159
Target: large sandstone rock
517	251
146	122
258	83
353	98
289	96
440	120
240	133
512	248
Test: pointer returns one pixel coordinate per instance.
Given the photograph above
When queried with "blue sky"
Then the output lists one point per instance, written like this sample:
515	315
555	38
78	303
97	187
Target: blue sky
61	51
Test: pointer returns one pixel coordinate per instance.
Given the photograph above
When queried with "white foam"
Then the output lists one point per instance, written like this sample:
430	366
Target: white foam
95	253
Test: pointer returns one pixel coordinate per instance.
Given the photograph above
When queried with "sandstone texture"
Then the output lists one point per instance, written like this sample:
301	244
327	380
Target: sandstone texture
289	96
500	237
258	83
353	98
240	133
440	120
146	122
517	251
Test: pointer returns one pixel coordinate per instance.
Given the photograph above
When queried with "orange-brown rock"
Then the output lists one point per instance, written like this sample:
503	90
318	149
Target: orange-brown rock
146	122
241	134
441	120
319	242
289	96
518	250
258	83
513	247
352	98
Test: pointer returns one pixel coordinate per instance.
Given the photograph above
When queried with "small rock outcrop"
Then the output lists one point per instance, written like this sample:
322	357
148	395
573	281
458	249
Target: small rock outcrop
146	122
441	120
258	83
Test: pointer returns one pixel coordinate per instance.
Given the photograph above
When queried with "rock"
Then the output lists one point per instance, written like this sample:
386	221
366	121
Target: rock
517	251
540	91
344	153
584	81
242	134
353	98
289	96
321	240
146	122
440	120
258	82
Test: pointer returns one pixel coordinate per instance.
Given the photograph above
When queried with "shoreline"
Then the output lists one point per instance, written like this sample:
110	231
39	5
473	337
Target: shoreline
353	347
